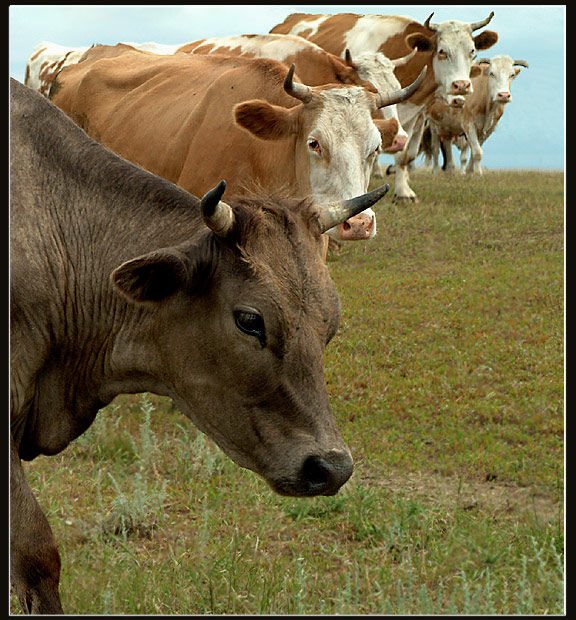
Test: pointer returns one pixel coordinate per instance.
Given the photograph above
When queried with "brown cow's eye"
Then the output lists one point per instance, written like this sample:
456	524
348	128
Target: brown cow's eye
251	323
313	145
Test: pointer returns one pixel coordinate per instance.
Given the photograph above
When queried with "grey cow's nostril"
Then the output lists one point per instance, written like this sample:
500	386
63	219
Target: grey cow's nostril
325	475
315	471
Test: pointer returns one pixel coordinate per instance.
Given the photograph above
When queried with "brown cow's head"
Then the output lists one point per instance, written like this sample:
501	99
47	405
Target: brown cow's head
239	324
336	138
453	49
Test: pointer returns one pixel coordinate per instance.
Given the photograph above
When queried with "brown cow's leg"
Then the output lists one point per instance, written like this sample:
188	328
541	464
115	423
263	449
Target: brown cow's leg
34	556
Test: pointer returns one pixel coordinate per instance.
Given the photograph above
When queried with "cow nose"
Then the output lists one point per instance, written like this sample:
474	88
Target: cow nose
324	475
356	228
504	97
460	87
398	144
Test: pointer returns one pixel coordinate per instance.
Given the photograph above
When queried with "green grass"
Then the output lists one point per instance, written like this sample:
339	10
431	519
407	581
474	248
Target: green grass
447	382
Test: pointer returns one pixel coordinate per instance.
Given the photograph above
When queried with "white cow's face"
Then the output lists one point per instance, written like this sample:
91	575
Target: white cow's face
452	60
501	72
453	49
341	144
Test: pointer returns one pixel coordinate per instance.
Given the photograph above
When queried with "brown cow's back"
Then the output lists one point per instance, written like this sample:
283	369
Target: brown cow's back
110	98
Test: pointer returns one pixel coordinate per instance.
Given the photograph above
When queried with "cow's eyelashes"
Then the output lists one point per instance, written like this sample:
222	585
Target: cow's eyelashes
251	323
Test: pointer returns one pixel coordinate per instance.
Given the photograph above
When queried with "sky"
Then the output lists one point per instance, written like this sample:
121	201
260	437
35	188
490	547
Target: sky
531	134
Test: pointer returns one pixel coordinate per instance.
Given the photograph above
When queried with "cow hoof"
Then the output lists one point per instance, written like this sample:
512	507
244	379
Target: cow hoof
405	199
391	169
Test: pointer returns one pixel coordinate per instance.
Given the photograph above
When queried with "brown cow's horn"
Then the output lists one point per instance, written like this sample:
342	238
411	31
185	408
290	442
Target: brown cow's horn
348	58
400	62
430	26
299	91
383	100
522	63
334	214
485	22
217	215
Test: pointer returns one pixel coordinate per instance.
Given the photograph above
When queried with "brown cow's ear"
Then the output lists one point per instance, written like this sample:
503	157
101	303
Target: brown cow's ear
264	120
485	39
421	41
475	71
152	277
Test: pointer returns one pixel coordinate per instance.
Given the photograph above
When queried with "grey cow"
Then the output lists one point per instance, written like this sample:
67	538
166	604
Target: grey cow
122	283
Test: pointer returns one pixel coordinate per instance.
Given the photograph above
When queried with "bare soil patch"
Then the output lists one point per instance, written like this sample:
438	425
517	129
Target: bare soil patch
503	499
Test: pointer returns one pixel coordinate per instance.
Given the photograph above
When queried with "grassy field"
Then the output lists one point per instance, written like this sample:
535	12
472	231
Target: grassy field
447	379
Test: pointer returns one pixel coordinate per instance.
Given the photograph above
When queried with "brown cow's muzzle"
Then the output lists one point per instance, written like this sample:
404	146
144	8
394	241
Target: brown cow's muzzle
318	475
356	228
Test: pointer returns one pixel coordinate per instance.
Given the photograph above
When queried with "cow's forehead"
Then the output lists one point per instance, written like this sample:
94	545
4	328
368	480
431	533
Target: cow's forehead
453	34
501	63
346	114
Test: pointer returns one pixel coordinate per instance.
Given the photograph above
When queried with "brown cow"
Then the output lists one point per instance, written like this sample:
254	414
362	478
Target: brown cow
315	66
122	282
193	119
447	49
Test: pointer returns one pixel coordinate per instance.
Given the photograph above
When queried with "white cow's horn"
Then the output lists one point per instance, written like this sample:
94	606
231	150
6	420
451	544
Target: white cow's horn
299	91
400	62
430	26
522	63
402	94
334	214
217	215
485	22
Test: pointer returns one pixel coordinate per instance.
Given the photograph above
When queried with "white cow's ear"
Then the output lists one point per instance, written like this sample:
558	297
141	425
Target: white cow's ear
152	277
264	120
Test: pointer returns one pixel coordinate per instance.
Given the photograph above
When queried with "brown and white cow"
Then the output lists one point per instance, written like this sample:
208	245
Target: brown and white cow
45	61
469	127
315	66
447	49
122	282
193	119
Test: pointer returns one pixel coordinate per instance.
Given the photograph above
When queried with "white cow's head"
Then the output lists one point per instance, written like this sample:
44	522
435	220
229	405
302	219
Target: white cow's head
336	140
453	48
501	71
378	69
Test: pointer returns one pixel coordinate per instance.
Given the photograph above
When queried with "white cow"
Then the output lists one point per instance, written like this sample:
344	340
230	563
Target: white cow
469	127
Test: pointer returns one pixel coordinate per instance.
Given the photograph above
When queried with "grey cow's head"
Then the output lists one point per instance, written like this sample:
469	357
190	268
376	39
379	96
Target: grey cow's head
236	331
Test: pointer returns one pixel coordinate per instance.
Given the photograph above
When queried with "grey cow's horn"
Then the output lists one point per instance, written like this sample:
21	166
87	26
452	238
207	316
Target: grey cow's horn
484	22
402	94
299	91
217	215
521	63
334	214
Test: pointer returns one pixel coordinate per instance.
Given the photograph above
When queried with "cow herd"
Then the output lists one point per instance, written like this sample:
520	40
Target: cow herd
123	281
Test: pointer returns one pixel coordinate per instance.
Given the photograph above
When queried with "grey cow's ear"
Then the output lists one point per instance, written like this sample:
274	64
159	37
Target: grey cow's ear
153	276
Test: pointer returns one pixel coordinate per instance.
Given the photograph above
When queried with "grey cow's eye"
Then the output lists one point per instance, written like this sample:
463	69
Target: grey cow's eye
251	323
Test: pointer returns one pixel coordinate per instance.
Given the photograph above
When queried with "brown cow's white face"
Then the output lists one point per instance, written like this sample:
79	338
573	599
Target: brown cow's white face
340	142
239	331
453	48
501	72
336	142
452	60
